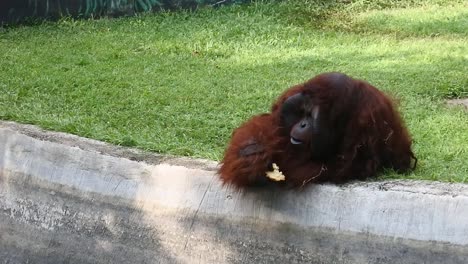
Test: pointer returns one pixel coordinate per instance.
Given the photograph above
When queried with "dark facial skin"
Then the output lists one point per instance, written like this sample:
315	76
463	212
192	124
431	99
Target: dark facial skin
306	125
300	117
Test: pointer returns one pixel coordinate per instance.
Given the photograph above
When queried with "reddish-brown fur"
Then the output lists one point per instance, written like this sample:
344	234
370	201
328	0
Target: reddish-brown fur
368	135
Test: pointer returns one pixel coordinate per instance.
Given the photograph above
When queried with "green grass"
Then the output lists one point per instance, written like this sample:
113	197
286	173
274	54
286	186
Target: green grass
178	83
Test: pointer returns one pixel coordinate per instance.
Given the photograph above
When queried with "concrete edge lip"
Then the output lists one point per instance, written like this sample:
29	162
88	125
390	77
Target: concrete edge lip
105	148
61	163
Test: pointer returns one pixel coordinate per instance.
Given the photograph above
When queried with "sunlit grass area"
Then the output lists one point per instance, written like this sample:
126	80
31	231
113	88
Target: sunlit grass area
178	83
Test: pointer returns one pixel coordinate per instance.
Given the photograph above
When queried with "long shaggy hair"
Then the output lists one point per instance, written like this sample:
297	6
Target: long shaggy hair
356	133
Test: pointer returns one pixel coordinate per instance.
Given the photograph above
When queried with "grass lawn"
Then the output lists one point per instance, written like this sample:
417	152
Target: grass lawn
178	83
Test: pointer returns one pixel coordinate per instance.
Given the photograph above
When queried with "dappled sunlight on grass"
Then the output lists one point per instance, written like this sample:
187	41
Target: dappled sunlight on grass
178	83
432	21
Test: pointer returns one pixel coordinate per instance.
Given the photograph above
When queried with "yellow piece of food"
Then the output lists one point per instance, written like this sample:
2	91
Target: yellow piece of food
276	174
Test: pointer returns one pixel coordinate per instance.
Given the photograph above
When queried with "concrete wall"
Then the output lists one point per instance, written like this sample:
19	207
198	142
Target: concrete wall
69	199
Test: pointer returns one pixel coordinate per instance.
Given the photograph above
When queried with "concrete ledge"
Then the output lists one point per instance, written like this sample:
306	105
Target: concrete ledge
69	199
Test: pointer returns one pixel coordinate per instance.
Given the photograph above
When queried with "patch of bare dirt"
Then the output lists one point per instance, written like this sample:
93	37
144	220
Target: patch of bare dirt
458	102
